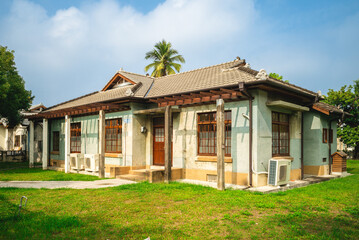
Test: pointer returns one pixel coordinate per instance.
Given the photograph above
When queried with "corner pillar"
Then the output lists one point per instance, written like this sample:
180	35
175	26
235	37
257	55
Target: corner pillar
101	142
45	143
168	138
67	144
220	144
31	145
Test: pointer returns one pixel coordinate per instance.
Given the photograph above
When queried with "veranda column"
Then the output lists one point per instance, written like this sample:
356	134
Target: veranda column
168	138
101	142
220	144
67	143
31	145
45	142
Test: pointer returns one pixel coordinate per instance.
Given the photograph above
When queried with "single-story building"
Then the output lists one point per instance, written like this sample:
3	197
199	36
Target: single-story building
126	127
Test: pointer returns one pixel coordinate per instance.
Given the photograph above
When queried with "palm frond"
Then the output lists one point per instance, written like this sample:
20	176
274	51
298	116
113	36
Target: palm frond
164	59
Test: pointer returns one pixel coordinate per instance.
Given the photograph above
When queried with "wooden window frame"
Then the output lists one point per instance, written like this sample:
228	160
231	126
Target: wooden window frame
325	135
213	124
75	133
56	141
117	127
280	124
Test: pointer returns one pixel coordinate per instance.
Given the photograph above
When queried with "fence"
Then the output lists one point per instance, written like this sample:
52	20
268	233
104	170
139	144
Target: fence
13	156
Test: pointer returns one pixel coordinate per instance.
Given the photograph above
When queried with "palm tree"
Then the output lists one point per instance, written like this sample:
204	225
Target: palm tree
164	59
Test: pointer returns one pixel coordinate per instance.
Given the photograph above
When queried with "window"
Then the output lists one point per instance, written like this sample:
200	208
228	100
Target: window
17	141
75	140
280	134
113	137
331	136
325	135
207	133
56	141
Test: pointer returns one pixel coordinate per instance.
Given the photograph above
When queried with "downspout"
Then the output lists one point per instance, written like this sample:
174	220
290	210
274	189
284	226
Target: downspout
302	147
250	99
330	147
49	139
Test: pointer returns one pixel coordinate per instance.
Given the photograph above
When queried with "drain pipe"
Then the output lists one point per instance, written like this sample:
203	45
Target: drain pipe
330	146
302	147
250	99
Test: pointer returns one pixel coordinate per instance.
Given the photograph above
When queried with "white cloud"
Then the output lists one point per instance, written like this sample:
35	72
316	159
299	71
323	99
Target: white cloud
77	50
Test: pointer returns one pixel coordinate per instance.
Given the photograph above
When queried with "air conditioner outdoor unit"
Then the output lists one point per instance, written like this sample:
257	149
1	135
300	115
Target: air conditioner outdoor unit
279	171
91	162
77	161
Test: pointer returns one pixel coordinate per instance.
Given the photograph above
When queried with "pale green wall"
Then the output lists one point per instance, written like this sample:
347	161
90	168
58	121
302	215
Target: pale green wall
262	131
185	137
314	148
89	136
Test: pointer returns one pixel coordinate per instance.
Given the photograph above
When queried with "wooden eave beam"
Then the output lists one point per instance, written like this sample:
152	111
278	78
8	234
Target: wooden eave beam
321	110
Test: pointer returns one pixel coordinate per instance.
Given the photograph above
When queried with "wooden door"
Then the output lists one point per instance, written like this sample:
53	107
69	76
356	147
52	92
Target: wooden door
159	142
158	145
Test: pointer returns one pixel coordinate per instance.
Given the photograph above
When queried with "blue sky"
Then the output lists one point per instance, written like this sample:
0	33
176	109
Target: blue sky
64	49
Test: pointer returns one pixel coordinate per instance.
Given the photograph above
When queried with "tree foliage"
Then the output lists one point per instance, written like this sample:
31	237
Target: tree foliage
164	59
13	95
277	76
347	99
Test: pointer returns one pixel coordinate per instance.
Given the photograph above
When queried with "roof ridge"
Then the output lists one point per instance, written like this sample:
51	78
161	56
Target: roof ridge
135	74
255	72
197	69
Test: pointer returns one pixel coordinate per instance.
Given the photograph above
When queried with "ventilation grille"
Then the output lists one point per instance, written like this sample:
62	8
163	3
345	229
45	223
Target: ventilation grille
272	172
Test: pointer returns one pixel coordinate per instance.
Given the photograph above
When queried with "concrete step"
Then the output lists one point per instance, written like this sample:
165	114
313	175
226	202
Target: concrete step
132	177
140	172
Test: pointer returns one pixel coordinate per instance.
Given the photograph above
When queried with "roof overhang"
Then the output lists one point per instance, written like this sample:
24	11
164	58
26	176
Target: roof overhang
153	111
88	109
288	105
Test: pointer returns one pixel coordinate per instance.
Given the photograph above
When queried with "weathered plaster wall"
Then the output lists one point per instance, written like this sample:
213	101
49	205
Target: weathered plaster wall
185	138
89	137
2	138
262	135
38	143
314	148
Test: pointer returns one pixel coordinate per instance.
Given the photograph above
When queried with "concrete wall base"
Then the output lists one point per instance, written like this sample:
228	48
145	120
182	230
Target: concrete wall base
317	170
210	175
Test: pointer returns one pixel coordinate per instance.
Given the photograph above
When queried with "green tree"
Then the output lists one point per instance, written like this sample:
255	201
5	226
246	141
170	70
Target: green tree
277	76
164	58
13	95
347	99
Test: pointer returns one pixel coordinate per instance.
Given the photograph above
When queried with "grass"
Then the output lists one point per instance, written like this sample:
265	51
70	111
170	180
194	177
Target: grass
21	172
329	210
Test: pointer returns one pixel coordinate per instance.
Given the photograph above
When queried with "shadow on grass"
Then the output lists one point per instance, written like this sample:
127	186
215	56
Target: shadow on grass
308	224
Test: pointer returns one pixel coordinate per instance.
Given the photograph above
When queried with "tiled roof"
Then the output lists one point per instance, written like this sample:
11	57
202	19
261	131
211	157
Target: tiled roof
199	79
95	97
221	75
328	107
146	82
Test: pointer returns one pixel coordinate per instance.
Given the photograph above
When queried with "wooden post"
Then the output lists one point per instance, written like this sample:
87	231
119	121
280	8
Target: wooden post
101	142
45	142
31	145
67	144
168	138
220	144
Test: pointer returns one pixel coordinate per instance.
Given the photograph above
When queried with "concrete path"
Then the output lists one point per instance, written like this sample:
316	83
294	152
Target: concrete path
65	184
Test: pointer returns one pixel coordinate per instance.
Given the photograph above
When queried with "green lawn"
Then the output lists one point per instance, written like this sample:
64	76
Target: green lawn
21	172
329	210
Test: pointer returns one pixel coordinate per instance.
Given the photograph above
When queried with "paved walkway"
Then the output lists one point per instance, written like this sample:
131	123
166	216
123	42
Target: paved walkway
65	184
